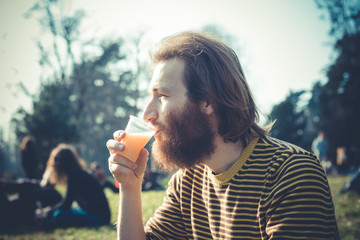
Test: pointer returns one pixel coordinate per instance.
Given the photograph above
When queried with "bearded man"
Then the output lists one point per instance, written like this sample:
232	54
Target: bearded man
234	181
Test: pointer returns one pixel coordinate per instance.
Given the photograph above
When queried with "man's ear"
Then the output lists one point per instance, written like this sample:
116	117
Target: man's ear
206	107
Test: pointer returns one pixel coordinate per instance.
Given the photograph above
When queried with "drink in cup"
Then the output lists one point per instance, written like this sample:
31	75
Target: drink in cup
138	133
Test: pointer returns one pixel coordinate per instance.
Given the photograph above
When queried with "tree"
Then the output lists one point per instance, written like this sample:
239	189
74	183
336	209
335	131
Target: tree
87	91
3	154
339	99
290	120
312	111
344	16
52	120
333	106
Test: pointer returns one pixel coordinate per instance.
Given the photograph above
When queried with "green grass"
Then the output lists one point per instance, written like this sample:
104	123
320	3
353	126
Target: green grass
347	210
150	202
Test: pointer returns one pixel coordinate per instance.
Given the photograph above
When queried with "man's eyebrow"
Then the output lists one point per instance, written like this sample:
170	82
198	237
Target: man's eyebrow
159	89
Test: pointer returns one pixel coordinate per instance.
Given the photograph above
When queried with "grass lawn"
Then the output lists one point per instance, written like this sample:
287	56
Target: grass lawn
150	201
347	209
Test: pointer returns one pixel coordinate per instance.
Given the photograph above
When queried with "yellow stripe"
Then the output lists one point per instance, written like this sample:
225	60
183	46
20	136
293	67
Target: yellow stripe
217	199
282	220
270	230
309	199
229	217
228	174
287	158
169	231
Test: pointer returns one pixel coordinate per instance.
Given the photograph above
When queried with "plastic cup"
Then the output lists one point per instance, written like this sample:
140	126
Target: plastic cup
138	133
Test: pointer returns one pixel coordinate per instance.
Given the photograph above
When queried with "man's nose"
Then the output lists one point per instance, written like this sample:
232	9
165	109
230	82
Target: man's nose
150	113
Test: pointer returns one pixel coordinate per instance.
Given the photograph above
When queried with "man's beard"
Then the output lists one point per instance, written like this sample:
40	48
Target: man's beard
186	140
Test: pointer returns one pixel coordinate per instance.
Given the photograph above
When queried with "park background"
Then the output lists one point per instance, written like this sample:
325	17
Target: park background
74	70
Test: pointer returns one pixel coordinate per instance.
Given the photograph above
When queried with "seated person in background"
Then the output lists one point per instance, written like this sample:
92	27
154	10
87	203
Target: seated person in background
100	175
29	158
341	159
66	167
353	184
20	198
150	181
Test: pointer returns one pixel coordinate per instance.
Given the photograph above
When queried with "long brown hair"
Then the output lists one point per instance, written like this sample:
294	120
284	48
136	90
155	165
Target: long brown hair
26	143
29	158
213	73
63	159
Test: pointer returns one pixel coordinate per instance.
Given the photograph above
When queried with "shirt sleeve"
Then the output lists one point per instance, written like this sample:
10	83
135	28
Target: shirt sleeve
299	204
167	222
69	198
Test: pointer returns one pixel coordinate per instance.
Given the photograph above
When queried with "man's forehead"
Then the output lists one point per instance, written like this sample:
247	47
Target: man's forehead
160	84
167	75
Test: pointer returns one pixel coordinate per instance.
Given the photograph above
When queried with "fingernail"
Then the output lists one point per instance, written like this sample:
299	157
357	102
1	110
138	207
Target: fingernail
120	147
134	166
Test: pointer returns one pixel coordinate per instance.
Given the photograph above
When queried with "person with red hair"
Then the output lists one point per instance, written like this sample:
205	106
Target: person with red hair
66	167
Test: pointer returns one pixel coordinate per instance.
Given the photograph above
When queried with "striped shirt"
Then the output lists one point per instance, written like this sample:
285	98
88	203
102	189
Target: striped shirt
275	190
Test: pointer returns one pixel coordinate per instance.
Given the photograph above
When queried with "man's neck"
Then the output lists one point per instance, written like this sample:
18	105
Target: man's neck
225	155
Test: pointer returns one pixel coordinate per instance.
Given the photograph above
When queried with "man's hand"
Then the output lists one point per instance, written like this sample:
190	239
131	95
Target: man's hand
127	173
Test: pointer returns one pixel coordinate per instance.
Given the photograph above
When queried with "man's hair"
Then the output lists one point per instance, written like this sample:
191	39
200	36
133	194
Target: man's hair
213	73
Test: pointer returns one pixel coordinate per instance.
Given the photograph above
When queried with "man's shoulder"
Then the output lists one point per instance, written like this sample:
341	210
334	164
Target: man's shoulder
283	155
270	144
280	153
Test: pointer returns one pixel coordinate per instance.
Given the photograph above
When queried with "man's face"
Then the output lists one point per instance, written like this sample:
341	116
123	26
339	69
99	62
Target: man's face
183	133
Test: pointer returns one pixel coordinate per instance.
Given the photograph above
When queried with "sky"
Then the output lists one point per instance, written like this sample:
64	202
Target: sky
283	45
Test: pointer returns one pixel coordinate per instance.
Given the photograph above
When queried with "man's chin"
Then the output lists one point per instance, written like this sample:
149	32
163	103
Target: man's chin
167	161
160	157
186	141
